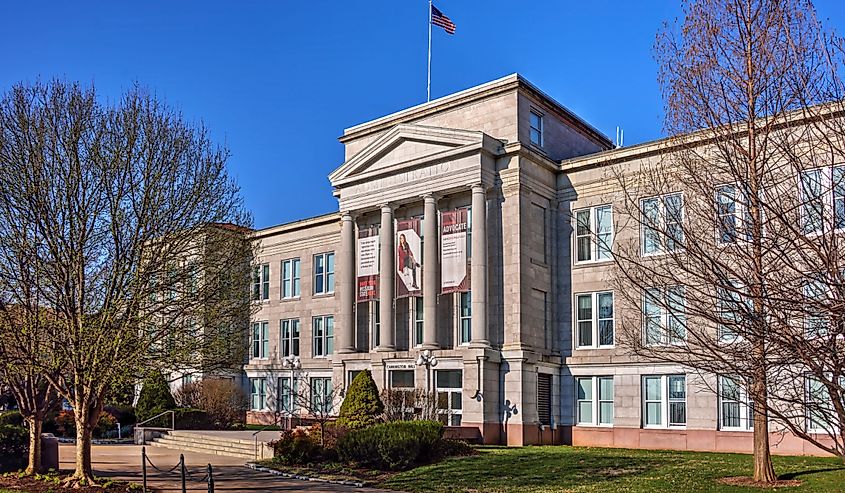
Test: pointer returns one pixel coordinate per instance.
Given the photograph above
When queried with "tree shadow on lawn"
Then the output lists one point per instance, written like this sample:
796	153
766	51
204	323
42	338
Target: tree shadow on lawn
532	467
798	474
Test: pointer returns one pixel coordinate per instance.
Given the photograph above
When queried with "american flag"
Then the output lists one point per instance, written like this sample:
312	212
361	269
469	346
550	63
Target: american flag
438	19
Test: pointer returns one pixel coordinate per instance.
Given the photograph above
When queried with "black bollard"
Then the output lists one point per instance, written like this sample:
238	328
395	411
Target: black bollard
182	463
210	480
144	467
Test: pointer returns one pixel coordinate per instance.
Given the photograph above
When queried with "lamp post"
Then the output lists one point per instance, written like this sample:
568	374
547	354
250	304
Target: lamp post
293	364
428	360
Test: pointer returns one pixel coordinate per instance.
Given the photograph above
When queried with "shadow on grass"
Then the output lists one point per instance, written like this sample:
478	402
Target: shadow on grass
798	474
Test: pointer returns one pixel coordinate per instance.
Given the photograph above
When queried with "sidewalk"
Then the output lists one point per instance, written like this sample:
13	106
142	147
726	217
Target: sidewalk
124	462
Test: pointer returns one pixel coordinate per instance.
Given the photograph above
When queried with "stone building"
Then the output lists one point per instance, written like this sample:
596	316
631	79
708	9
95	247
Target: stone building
490	178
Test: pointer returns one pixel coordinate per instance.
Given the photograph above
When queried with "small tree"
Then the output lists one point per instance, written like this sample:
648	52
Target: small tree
155	397
362	406
410	405
317	398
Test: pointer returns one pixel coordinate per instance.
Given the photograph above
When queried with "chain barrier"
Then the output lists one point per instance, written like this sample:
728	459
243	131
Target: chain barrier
183	472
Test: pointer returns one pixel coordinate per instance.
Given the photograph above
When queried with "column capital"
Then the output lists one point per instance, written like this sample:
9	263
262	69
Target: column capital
347	216
479	187
387	207
430	197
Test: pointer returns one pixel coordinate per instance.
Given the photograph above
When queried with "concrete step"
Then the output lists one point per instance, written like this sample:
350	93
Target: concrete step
211	444
202	449
234	447
217	439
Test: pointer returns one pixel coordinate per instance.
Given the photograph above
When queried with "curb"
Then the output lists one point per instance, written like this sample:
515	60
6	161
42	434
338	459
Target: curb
256	467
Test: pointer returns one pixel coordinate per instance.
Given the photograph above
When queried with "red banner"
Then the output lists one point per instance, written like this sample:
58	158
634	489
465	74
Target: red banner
408	258
368	258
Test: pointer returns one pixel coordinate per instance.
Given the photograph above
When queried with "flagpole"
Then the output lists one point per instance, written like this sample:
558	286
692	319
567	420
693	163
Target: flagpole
428	85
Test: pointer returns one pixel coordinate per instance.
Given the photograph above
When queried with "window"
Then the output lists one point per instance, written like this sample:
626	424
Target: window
323	330
350	376
418	320
594	319
324	273
662	224
290	337
544	398
816	322
448	385
736	411
260	340
733	219
664	314
401	379
261	282
593	234
734	307
258	394
290	278
664	401
321	395
819	407
287	394
466	317
595	401
376	323
536	128
821	190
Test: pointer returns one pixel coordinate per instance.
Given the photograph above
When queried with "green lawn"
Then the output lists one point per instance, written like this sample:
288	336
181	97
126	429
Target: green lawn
546	469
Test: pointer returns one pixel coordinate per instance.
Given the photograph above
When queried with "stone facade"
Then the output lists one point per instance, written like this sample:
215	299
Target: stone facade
522	164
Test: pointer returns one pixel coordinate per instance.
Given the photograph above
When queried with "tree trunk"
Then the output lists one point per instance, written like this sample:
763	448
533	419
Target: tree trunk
764	471
83	473
34	464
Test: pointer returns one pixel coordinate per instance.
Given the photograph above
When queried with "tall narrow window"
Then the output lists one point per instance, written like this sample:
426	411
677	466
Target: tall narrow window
376	324
816	322
418	320
662	224
734	307
261	282
324	273
735	409
585	400
287	394
321	395
593	234
290	337
466	317
260	340
258	394
595	401
323	331
290	278
594	319
664	314
448	385
536	128
812	201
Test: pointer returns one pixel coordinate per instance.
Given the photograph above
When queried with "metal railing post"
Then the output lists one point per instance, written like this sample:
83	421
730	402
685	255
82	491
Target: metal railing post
182	464
144	467
210	480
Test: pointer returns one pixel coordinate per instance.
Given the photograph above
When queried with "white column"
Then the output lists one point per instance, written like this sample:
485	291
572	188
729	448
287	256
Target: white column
346	285
387	275
478	281
431	269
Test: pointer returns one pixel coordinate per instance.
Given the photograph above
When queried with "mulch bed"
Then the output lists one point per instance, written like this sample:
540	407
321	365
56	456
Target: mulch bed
53	485
749	482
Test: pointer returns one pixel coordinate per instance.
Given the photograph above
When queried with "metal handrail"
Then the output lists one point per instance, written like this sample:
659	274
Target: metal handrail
172	419
276	422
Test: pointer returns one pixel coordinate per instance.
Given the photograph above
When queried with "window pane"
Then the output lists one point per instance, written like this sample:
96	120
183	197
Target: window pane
677	413
606	413
604	234
585	412
652	414
448	379
651	223
677	388
585	389
605	389
652	388
812	201
605	313
583	241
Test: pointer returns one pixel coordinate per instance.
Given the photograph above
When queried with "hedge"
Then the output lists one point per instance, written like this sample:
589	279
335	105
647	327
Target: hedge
13	418
391	446
14	448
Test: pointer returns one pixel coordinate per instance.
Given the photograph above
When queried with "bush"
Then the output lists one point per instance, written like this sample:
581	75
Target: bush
362	406
105	424
192	419
124	414
391	446
14	448
222	399
12	418
155	397
296	447
452	448
65	424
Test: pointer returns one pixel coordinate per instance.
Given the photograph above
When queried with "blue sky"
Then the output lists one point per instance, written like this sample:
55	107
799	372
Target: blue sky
279	81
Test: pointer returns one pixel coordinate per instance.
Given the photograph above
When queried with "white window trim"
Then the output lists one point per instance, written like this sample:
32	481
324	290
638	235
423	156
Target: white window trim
828	203
808	417
665	316
594	320
289	340
449	412
324	337
661	227
417	316
540	117
746	423
293	261
262	324
460	318
739	214
262	386
594	244
595	401
325	274
720	327
664	402
262	280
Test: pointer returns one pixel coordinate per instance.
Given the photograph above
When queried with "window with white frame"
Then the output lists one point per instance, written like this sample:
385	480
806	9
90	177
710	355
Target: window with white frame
662	220
664	314
822	192
733	218
324	273
260	340
536	128
465	317
321	395
290	278
261	282
734	307
664	401
593	234
258	394
736	411
816	321
594	319
595	401
323	330
448	385
819	407
287	394
289	335
418	320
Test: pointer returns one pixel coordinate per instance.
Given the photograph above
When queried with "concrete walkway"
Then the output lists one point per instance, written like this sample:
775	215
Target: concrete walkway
124	462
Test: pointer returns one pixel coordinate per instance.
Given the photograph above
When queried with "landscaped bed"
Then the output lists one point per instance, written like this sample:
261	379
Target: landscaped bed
52	483
561	468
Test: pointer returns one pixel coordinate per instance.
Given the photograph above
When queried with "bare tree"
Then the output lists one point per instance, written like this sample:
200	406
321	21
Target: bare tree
715	278
318	400
137	234
410	405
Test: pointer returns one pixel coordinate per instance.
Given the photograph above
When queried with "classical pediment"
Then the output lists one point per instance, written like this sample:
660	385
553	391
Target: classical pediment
406	147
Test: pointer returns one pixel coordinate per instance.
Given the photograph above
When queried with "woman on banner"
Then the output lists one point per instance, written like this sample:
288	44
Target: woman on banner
407	261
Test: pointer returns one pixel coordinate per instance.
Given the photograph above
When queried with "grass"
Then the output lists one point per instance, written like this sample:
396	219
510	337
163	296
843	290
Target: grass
583	469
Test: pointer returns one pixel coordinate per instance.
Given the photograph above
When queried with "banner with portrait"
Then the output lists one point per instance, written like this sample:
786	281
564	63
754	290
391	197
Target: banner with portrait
454	265
368	264
408	258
